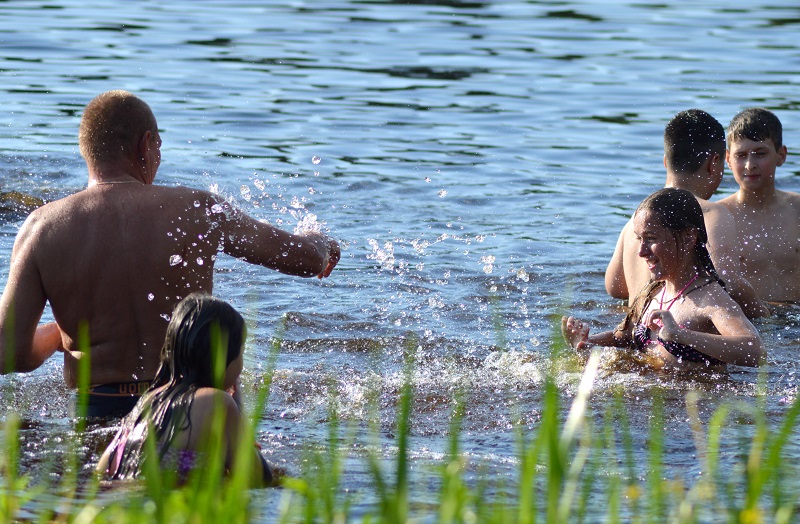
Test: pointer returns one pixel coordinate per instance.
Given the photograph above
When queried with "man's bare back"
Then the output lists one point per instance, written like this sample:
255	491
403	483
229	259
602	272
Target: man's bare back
101	236
115	258
139	249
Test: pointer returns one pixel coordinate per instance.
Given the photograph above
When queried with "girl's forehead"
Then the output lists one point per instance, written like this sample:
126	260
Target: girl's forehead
646	220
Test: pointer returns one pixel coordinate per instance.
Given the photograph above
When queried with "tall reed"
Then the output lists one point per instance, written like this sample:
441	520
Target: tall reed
568	471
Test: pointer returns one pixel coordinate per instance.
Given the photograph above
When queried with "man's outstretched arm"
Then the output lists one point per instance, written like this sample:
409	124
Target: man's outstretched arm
306	255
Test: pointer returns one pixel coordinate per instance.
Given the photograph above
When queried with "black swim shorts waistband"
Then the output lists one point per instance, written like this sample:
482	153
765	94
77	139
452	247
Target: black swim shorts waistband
120	389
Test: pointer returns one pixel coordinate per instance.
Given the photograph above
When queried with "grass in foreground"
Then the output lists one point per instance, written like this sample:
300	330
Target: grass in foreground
568	471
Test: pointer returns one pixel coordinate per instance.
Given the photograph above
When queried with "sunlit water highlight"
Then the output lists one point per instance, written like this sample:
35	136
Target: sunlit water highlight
476	159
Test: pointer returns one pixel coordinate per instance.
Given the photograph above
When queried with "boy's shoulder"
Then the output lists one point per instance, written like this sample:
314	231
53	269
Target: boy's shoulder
789	198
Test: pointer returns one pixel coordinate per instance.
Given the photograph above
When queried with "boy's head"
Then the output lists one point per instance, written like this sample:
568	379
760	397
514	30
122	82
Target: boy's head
690	138
756	124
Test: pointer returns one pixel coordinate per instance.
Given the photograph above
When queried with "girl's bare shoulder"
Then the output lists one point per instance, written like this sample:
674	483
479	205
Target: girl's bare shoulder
208	400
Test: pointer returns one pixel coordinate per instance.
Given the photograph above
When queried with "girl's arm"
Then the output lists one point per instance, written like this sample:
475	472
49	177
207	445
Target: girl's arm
738	341
576	333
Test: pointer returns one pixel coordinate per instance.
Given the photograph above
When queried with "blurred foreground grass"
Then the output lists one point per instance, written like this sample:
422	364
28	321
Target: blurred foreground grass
568	471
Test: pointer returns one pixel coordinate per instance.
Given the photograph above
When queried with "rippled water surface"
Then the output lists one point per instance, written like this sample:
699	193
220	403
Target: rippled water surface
476	159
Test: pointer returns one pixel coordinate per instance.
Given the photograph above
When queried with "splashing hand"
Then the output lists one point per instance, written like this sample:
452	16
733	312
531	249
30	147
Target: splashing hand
334	254
576	332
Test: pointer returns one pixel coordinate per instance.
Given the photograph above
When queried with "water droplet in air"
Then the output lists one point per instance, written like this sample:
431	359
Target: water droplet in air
245	191
174	260
316	160
151	297
196	203
442	193
199	261
489	264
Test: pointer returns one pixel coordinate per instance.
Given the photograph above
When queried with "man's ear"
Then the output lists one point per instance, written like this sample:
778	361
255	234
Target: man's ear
713	161
144	145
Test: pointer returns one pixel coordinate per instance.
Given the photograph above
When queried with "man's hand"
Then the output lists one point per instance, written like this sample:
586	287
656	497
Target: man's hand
334	254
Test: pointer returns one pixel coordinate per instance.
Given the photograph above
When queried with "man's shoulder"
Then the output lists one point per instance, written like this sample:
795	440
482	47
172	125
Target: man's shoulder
727	201
787	207
716	211
54	210
182	191
627	237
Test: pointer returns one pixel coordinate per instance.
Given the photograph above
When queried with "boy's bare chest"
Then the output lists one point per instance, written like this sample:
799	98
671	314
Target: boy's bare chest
770	238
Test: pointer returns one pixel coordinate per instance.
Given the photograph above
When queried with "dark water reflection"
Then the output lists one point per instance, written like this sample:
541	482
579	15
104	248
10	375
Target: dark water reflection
477	159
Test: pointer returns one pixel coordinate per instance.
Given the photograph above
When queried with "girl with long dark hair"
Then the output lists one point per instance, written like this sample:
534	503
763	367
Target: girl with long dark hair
200	362
683	316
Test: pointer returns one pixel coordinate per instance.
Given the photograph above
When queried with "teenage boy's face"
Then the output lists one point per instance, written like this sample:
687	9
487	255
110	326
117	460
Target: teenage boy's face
753	163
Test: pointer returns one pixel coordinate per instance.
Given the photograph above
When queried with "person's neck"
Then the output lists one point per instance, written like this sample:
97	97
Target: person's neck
109	175
674	285
692	183
756	198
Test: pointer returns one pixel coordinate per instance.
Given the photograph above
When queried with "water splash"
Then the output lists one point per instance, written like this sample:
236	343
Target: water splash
309	224
384	256
488	264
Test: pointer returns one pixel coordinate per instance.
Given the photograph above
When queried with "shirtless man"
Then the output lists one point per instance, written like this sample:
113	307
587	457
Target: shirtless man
694	145
768	218
115	258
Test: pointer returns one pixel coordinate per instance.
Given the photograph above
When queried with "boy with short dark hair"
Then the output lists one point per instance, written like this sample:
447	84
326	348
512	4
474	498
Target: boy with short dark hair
767	218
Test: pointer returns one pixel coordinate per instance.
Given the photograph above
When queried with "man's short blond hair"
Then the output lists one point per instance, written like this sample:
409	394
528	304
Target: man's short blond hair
112	125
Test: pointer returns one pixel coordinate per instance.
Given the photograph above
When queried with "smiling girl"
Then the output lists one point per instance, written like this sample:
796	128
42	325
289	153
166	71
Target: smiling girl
684	316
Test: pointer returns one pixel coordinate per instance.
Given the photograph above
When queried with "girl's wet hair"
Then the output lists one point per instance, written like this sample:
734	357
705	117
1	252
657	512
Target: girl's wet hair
201	327
187	352
678	210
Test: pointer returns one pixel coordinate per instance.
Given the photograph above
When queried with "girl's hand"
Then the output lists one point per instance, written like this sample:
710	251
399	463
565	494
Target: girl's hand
662	324
576	332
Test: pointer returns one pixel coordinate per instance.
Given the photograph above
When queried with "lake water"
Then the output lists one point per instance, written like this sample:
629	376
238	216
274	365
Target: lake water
476	160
